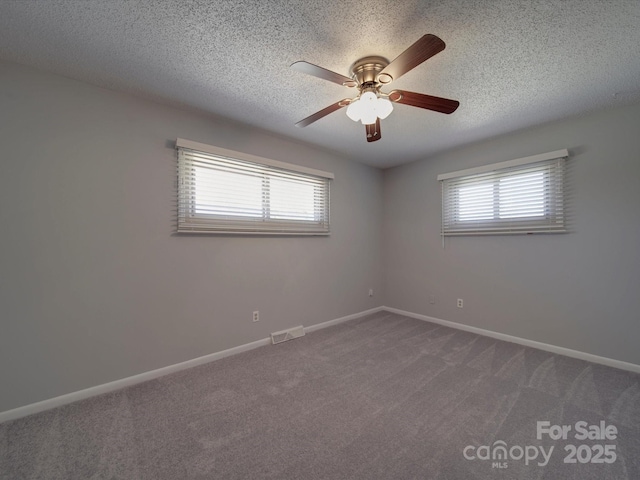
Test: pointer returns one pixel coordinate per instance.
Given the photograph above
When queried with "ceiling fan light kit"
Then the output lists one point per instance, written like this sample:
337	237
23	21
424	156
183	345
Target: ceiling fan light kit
368	75
369	107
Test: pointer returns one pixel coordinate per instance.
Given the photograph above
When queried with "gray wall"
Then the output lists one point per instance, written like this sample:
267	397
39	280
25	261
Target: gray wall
94	285
579	290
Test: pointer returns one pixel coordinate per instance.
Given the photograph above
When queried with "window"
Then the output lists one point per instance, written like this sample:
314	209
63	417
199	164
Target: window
519	196
221	191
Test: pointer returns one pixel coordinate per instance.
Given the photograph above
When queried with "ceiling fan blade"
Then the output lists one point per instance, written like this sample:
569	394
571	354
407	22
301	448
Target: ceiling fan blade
373	131
316	71
323	113
437	104
422	50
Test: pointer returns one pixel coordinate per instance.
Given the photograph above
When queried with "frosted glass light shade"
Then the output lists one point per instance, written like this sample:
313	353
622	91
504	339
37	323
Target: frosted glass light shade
353	110
368	97
368	108
383	108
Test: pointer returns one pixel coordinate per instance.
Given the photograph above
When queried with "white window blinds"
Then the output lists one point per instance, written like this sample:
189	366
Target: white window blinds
519	196
220	191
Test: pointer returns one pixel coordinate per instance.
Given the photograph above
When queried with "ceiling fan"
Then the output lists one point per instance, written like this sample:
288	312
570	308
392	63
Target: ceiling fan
368	76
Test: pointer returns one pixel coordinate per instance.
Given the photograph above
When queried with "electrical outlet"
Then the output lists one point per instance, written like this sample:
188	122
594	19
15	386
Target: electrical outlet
432	299
460	303
371	292
256	316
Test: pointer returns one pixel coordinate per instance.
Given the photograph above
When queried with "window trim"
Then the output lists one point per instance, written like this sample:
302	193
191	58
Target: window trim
199	223
553	219
247	157
503	165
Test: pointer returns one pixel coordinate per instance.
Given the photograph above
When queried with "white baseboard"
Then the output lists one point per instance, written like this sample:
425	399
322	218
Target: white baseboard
124	382
609	362
330	323
153	374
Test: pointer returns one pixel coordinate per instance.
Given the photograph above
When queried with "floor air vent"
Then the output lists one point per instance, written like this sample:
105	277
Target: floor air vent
284	335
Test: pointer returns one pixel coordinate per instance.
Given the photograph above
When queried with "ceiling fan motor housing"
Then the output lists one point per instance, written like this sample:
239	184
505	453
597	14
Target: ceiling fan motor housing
365	71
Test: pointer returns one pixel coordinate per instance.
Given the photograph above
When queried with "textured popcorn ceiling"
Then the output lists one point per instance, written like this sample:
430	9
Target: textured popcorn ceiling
510	63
